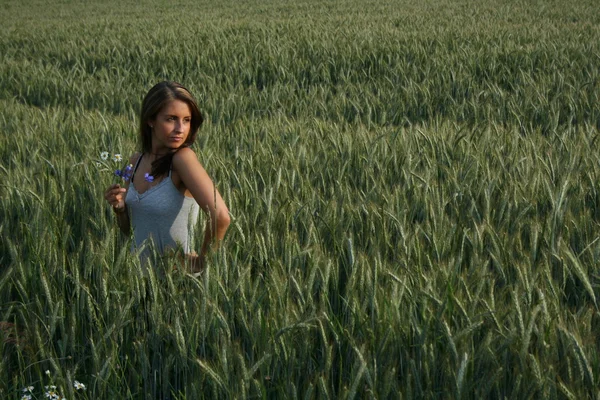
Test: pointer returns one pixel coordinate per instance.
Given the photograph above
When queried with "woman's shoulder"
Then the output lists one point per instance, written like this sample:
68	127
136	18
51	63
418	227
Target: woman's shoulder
134	158
185	161
184	156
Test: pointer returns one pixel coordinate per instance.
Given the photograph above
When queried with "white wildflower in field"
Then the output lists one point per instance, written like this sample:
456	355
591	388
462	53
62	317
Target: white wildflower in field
51	394
26	397
48	372
78	385
117	158
104	155
28	389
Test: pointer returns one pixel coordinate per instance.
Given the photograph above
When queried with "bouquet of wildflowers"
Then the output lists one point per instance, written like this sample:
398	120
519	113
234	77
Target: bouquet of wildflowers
125	173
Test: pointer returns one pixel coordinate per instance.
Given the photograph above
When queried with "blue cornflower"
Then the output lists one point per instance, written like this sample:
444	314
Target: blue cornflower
148	177
125	174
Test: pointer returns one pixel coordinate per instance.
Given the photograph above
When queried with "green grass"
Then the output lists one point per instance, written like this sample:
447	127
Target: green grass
413	189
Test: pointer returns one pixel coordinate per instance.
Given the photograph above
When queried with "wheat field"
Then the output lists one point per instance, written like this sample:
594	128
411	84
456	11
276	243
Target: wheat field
413	186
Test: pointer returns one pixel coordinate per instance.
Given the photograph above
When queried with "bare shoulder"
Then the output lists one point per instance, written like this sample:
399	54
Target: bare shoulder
185	158
184	153
134	157
189	172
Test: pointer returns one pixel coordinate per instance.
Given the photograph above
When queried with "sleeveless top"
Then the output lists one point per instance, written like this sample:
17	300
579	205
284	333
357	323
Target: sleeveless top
162	215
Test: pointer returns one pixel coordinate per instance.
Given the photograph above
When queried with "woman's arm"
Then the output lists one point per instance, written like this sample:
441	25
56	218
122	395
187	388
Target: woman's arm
115	195
122	214
202	188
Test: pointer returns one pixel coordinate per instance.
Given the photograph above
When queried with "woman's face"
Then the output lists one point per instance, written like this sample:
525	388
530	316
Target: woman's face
171	127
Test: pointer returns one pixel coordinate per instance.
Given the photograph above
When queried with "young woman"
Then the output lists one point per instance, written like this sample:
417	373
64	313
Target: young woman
168	184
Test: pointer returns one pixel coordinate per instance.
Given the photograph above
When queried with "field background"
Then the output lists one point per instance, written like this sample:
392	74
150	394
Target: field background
413	189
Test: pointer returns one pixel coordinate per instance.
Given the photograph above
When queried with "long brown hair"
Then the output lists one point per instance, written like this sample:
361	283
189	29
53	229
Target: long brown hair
159	96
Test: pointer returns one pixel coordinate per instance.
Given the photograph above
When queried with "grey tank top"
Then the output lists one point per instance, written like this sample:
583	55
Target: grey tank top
162	215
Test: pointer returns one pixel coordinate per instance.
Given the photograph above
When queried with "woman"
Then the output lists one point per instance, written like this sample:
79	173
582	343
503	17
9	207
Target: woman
168	184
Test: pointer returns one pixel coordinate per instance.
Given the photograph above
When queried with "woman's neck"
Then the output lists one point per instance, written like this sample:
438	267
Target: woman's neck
153	156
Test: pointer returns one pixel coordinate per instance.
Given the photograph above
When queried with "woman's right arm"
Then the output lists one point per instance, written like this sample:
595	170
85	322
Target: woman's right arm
115	196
